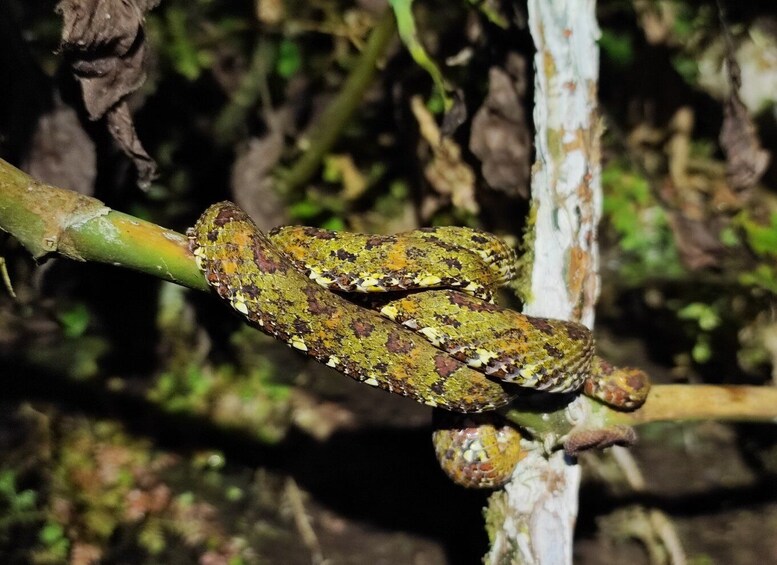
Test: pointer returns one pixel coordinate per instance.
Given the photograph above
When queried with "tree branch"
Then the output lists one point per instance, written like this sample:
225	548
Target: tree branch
532	521
46	219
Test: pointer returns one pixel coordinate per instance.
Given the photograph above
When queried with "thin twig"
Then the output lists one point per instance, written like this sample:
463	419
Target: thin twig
331	122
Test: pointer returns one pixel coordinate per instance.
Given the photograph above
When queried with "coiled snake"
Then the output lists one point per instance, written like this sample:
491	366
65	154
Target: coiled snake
448	346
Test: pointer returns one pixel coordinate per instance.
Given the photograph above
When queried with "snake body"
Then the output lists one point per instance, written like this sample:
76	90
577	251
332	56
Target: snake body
443	347
445	257
260	282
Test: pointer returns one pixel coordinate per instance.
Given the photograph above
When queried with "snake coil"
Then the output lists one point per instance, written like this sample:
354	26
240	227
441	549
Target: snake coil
448	346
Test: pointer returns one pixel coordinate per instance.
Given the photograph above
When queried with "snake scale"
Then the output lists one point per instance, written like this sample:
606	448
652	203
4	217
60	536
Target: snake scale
447	346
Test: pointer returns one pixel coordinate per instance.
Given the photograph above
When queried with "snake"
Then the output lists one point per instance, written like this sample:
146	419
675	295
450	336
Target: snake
425	327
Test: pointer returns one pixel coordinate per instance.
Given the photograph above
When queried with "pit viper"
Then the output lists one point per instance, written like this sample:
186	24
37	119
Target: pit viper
427	329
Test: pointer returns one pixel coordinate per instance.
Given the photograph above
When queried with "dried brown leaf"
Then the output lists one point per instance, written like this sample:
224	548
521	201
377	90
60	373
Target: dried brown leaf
123	131
252	182
104	43
446	172
746	160
61	153
500	135
697	241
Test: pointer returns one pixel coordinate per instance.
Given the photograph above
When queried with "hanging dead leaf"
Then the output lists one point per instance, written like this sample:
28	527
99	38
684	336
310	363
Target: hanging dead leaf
252	183
61	153
104	43
500	135
697	241
446	172
746	160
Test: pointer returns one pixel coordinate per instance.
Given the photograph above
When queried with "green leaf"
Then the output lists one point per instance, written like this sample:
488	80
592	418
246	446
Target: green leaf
289	59
763	276
182	50
701	352
618	47
334	223
403	11
305	210
705	315
51	533
74	320
762	239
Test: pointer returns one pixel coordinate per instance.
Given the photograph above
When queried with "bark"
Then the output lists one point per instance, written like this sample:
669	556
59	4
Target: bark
533	520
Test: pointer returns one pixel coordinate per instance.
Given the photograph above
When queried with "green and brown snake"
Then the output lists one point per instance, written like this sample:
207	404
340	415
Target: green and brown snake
427	329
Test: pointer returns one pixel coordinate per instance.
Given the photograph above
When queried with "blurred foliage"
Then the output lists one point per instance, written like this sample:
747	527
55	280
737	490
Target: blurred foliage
617	46
227	77
17	507
641	225
248	394
762	240
74	320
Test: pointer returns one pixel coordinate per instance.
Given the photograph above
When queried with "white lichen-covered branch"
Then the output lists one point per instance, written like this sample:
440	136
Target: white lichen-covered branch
532	520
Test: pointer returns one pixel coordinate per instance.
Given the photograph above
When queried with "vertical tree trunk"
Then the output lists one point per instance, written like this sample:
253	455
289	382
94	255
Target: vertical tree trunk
532	520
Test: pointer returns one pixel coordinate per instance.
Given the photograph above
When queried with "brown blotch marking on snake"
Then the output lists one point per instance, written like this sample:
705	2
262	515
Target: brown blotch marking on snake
636	380
452	262
414	253
605	368
378	240
344	255
446	320
251	291
453	248
263	260
315	305
301	327
397	343
344	281
362	329
226	215
599	439
541	324
438	387
349	367
469	303
445	365
476	238
318	233
553	351
577	332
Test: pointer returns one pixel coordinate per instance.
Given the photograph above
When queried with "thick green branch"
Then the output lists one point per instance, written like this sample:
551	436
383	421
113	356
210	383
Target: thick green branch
46	219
